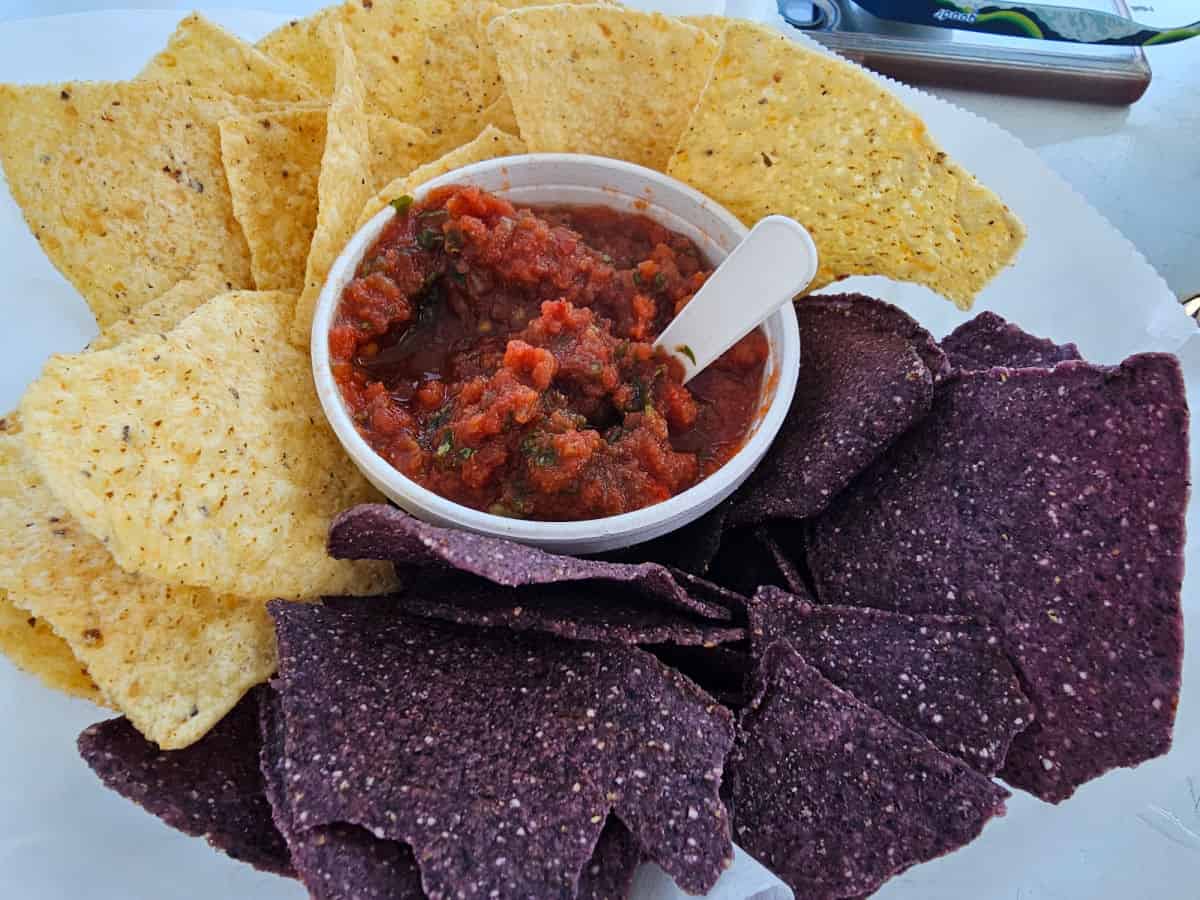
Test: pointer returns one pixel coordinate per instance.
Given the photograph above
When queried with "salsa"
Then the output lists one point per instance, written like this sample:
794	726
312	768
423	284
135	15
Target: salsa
502	357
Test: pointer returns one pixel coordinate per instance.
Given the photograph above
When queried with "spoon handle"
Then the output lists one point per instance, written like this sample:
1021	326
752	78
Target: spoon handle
776	261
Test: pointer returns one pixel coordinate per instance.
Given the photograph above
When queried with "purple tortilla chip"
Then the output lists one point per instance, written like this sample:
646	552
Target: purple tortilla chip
339	861
834	797
451	739
988	342
212	789
944	677
609	873
1050	502
579	611
867	372
378	531
690	548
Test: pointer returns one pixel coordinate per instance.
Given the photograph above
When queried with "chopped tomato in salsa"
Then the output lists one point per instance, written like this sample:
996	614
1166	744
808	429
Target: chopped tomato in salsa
502	357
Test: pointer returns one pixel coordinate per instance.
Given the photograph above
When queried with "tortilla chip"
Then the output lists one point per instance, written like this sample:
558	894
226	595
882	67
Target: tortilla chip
163	313
578	612
944	677
379	531
988	341
834	797
213	789
867	374
602	79
1050	502
273	163
201	457
784	129
122	184
32	646
343	187
492	143
302	45
174	660
713	26
206	57
559	733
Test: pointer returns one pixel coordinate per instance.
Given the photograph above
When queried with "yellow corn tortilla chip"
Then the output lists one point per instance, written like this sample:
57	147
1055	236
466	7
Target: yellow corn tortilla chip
32	646
783	129
344	184
490	144
202	457
713	26
302	45
122	184
601	79
273	163
174	660
164	312
205	56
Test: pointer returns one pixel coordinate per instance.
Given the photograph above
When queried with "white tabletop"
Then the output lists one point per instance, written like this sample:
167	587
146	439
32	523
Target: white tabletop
1139	165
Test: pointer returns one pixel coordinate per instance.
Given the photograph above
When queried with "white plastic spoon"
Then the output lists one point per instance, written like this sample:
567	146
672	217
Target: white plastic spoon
776	261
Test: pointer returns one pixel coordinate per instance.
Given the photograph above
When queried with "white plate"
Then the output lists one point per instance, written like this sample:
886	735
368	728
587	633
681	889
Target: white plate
1133	833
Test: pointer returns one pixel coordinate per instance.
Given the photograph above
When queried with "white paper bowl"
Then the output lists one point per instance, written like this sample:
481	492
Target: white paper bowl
542	178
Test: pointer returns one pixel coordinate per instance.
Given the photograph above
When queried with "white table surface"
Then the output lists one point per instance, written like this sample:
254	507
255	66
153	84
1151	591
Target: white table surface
1140	165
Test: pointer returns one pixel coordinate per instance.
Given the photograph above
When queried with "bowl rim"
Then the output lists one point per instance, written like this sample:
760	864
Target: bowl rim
623	529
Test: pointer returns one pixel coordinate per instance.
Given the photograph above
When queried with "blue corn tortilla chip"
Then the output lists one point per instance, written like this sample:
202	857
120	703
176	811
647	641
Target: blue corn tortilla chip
867	372
1051	503
988	341
378	531
497	757
834	797
338	861
580	611
212	789
944	677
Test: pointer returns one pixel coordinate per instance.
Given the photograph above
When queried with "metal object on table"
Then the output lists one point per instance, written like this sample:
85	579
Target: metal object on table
930	54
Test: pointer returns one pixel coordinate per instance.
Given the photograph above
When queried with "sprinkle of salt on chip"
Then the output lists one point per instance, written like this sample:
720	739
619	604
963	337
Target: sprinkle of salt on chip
784	129
213	789
201	457
836	798
1050	502
558	735
578	77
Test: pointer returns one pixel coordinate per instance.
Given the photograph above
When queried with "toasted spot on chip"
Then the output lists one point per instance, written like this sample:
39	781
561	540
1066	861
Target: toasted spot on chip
165	311
378	531
201	457
785	129
586	611
122	185
1050	502
988	341
344	184
944	677
866	374
834	797
602	79
491	143
206	57
213	789
173	660
302	45
556	736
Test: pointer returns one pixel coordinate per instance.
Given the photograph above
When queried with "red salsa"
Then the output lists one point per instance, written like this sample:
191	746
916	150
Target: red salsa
502	357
